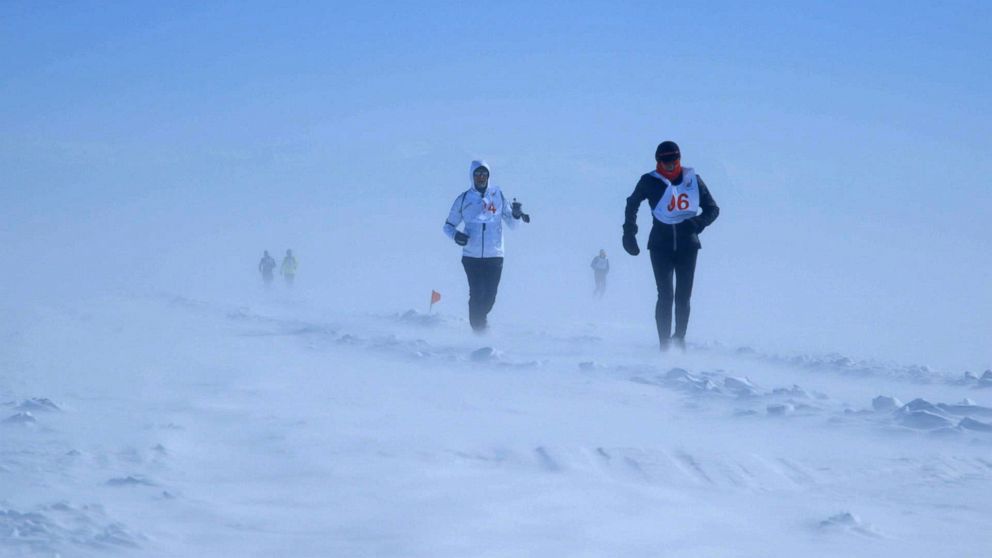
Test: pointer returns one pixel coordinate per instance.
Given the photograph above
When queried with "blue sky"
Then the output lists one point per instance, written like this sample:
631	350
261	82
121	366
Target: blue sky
201	82
846	141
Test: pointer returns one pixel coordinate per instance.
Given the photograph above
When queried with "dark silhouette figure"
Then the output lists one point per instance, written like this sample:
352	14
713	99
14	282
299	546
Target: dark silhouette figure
266	266
600	267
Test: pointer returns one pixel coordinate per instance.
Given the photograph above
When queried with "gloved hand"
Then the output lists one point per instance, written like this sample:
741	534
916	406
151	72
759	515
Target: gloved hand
517	211
629	240
461	238
696	225
630	244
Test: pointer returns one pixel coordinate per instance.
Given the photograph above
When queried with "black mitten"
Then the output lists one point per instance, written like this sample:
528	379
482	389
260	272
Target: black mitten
517	211
461	238
630	240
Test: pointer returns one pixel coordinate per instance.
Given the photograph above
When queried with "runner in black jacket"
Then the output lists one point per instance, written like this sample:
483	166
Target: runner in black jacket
681	206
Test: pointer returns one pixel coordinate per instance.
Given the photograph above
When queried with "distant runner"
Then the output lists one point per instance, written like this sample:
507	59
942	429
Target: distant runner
600	267
265	267
288	268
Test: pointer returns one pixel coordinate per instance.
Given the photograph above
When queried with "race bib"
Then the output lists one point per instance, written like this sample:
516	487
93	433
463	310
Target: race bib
679	202
488	210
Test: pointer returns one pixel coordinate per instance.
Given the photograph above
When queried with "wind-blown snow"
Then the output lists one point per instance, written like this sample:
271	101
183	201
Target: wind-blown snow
196	428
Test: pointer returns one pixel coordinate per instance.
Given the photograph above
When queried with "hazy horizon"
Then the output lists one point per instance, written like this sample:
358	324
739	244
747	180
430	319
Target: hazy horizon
152	149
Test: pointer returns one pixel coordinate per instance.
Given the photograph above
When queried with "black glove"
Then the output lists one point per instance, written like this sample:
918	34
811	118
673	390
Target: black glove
461	238
696	225
518	212
629	240
516	207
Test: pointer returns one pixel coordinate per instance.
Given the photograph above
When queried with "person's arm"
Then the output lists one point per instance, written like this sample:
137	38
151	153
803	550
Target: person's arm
607	264
633	204
507	212
630	219
710	210
454	217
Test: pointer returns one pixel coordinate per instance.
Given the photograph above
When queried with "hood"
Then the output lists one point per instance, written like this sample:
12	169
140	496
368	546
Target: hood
471	171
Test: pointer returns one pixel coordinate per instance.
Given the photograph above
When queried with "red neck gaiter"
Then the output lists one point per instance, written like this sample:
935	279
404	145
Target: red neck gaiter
672	174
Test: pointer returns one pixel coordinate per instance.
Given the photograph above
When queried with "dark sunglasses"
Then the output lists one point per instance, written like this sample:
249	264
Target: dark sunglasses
669	157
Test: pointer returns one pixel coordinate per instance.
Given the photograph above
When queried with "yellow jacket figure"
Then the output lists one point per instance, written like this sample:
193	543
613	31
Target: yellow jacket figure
288	267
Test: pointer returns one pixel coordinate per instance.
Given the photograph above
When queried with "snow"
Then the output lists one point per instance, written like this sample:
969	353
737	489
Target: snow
167	426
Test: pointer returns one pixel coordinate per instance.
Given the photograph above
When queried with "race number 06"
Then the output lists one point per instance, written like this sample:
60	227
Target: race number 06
682	202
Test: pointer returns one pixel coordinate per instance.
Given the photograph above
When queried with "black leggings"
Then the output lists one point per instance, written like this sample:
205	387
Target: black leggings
483	282
683	263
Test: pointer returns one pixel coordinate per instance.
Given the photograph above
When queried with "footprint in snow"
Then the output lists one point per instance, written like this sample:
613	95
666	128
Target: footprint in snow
485	354
129	481
37	404
848	522
24	418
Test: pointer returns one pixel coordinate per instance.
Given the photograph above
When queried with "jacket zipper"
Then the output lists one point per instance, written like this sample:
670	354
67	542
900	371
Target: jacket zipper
675	238
483	252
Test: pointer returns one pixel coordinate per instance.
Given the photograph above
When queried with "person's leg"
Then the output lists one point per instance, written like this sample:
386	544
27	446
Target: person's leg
685	272
663	264
474	273
493	274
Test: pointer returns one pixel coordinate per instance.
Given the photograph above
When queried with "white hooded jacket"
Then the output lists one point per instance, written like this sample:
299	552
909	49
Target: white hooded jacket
483	215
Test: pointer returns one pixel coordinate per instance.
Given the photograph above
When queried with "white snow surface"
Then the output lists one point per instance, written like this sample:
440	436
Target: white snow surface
166	426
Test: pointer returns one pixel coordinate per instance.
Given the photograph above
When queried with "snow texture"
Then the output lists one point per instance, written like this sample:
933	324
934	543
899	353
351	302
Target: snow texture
260	430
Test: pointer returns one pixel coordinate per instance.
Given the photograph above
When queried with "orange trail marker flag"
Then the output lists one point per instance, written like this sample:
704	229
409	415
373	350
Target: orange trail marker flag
435	298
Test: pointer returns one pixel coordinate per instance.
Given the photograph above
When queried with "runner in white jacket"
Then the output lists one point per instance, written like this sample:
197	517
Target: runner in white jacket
483	209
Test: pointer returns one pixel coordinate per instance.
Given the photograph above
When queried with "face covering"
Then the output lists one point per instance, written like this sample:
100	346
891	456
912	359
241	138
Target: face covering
672	174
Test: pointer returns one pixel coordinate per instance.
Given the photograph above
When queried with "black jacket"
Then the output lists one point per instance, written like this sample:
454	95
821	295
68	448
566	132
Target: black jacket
683	235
